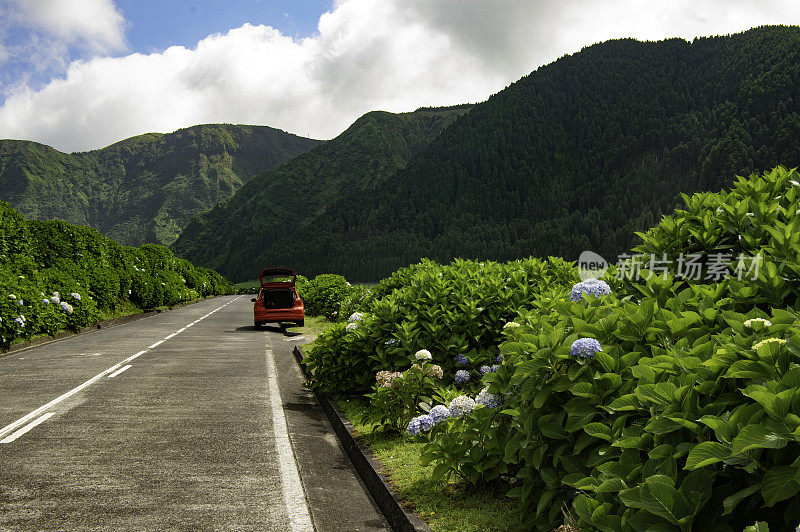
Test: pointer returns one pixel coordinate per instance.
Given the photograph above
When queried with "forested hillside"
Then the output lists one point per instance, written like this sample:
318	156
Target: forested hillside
146	188
577	155
275	204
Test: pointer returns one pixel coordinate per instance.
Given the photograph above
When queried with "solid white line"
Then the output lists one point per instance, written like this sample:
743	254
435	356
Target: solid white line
27	427
180	330
156	344
120	370
293	495
170	336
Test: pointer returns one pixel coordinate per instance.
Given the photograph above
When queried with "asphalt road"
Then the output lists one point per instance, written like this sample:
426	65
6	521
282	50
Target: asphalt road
186	420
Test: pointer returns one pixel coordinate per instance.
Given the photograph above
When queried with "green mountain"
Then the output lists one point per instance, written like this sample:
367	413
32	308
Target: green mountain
144	189
575	156
275	204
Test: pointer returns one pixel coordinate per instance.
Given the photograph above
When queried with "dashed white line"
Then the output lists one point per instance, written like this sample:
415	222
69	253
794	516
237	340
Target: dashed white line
33	415
120	370
293	495
27	427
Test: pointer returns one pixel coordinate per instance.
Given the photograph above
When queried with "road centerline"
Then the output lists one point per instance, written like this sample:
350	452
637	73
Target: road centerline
27	427
120	370
35	413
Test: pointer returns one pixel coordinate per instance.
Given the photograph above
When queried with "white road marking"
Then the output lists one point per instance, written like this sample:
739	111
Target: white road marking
31	415
170	336
120	370
27	427
293	495
180	330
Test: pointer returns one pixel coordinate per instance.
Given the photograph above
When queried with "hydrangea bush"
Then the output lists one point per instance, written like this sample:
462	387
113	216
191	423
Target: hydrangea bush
450	310
665	404
65	276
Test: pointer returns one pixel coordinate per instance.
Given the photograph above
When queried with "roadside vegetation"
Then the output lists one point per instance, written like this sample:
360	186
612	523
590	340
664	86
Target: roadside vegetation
664	396
55	276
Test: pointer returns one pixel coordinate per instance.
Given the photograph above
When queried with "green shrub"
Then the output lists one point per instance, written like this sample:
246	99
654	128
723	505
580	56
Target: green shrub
687	418
44	260
323	295
459	308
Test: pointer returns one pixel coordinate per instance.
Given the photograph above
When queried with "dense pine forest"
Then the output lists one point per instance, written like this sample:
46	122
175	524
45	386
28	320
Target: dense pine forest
144	189
577	155
275	204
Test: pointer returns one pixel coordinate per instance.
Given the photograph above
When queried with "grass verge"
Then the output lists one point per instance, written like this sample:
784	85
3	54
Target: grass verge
314	326
445	506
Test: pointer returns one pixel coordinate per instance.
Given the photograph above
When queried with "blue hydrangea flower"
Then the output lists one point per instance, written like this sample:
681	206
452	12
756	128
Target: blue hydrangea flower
462	376
499	359
422	423
461	359
596	287
489	369
585	347
439	413
489	400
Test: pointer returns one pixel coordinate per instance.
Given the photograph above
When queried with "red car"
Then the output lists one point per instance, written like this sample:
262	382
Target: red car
278	300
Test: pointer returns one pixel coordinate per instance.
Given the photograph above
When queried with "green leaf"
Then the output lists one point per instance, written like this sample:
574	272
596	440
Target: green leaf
731	502
779	483
760	526
598	430
584	506
661	425
696	488
706	453
625	403
661	499
757	437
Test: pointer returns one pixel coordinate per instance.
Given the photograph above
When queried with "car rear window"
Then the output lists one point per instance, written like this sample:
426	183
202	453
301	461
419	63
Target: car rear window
277	279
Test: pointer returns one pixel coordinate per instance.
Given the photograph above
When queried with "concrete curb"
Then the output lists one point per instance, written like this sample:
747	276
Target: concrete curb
100	325
367	466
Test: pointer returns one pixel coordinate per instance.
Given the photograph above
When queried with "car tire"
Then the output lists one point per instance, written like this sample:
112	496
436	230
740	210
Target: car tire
301	323
257	324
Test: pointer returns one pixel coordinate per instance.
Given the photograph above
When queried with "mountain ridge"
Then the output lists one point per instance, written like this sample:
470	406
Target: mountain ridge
143	189
274	204
577	155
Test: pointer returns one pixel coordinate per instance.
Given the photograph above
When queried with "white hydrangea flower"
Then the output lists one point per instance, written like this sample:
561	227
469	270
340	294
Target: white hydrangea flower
76	295
778	341
461	405
752	321
355	316
352	326
423	354
12	296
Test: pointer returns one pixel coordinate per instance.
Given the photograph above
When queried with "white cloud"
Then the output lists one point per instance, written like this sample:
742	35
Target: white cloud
394	55
95	24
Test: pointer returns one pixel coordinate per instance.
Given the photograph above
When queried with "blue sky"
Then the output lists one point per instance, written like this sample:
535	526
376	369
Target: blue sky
158	24
83	74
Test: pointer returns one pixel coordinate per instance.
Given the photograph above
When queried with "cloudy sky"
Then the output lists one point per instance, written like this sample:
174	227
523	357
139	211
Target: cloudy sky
82	74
